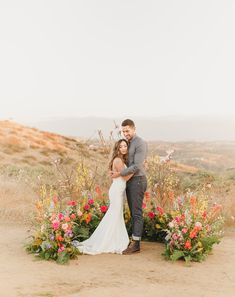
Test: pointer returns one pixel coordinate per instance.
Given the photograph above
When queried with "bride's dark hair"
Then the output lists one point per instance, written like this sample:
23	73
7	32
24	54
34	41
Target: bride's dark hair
116	153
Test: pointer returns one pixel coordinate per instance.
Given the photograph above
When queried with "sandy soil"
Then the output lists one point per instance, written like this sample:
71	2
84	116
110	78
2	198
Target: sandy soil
144	274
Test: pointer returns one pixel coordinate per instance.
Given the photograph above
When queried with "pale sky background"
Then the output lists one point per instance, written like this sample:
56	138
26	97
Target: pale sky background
116	58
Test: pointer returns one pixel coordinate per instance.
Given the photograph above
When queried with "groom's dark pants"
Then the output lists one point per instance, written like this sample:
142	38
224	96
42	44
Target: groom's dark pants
135	189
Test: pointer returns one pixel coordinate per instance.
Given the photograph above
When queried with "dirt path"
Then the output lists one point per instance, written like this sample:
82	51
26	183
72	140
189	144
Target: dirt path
144	274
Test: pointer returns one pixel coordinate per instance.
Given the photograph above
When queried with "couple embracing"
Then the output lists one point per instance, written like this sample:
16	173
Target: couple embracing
128	177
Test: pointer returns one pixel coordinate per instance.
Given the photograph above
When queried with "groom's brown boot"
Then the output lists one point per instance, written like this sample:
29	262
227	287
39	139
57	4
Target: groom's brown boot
133	247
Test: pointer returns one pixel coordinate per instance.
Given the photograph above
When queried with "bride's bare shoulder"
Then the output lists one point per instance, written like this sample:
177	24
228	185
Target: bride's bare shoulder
117	161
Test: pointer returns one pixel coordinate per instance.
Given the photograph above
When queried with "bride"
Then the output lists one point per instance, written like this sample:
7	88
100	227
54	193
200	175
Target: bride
111	235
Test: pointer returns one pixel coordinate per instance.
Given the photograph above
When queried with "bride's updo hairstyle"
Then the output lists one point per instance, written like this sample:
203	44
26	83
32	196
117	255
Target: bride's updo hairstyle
116	153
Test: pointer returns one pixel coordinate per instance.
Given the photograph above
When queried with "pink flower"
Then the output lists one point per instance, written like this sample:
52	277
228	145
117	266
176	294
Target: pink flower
104	208
144	205
184	230
87	206
61	216
91	201
72	202
55	225
73	216
160	210
151	214
177	219
61	249
175	236
79	213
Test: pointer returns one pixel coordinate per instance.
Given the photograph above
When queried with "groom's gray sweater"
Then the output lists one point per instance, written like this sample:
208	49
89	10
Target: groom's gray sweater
137	154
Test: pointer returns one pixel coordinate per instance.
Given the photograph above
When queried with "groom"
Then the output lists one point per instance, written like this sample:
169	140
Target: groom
137	185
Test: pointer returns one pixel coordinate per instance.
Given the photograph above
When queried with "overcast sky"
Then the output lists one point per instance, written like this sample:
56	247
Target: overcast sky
116	58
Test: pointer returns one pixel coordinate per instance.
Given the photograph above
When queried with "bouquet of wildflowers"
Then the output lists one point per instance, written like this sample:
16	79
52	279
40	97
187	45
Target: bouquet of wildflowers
195	227
59	226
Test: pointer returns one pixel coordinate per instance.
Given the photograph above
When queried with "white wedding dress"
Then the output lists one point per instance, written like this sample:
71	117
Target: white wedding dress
111	235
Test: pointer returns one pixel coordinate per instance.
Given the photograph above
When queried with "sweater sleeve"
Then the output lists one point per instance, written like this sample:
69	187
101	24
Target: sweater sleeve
139	157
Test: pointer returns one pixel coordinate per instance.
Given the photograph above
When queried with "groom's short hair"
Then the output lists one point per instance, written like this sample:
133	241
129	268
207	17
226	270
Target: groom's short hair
128	122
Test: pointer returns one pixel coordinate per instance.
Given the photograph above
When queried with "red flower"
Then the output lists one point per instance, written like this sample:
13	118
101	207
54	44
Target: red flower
87	206
204	215
160	210
67	219
72	202
188	245
104	208
91	201
151	214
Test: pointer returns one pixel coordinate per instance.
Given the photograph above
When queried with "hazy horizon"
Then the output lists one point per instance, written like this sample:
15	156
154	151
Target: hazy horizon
178	128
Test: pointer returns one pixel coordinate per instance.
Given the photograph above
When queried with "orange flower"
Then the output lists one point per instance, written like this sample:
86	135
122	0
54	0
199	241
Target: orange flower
188	245
38	205
193	200
59	238
67	219
98	190
88	218
147	195
193	234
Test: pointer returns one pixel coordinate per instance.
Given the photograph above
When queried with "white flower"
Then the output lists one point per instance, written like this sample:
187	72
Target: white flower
171	225
65	226
198	225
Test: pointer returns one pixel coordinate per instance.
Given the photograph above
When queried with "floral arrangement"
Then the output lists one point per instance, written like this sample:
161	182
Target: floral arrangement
71	210
194	228
58	227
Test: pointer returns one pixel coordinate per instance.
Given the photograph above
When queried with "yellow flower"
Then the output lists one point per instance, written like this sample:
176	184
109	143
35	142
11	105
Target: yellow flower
161	220
199	244
158	226
200	250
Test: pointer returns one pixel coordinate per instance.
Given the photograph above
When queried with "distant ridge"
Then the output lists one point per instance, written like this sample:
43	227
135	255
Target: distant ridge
197	128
